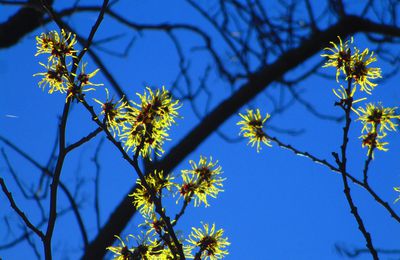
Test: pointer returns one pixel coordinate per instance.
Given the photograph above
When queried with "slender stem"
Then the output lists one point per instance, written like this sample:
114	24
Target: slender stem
366	186
56	180
63	187
342	163
83	140
19	211
312	157
369	158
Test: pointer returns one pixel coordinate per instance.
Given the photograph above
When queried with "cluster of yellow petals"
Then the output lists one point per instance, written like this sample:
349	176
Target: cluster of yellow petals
147	122
354	65
252	127
376	120
145	248
209	241
201	182
157	181
58	77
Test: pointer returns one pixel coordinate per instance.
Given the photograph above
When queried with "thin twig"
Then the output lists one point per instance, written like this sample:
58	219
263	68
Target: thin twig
20	212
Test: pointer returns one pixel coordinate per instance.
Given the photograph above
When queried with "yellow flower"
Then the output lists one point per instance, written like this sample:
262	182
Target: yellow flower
55	77
152	223
210	243
114	112
340	56
361	73
161	105
74	91
252	127
146	249
146	133
378	117
372	141
84	78
201	181
56	45
147	123
121	252
157	181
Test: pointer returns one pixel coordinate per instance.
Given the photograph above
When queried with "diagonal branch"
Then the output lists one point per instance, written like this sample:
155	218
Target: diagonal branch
19	211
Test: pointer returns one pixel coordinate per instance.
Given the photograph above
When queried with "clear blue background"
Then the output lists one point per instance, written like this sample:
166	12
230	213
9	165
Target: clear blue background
275	206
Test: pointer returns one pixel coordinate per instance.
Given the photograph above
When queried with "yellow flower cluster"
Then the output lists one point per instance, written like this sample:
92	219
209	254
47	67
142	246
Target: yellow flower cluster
56	45
57	75
146	123
376	120
354	66
201	181
252	127
142	127
157	181
146	248
211	243
114	112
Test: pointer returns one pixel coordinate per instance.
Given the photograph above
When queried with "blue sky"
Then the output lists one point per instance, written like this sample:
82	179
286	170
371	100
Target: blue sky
275	206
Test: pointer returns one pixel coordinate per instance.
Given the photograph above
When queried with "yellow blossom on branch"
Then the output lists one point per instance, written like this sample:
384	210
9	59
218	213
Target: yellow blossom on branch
210	243
56	45
340	56
361	73
147	122
55	77
157	181
372	140
252	127
74	91
114	112
84	78
146	248
202	181
377	116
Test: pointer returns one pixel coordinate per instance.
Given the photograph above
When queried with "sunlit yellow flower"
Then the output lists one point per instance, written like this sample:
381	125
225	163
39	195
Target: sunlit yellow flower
201	181
379	117
340	56
84	78
373	141
160	105
121	252
114	112
210	243
146	248
153	224
145	134
252	127
55	78
361	73
147	123
74	91
56	45
157	181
